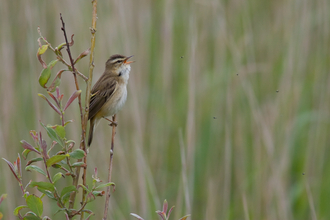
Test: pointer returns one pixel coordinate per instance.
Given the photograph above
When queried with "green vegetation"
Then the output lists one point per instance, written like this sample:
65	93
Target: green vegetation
227	109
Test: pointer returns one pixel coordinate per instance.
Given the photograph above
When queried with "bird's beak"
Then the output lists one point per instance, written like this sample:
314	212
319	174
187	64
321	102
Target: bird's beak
128	62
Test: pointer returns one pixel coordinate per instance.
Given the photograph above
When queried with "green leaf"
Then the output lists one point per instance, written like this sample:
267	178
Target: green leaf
77	154
78	164
35	204
184	217
44	77
105	185
55	83
31	217
25	153
17	209
56	166
84	187
35	168
67	122
43	49
60	131
43	185
52	134
65	198
34	160
45	73
47	193
57	176
55	159
52	64
61	45
68	189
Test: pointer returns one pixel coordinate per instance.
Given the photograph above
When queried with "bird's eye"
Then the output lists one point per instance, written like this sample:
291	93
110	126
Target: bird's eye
119	74
118	61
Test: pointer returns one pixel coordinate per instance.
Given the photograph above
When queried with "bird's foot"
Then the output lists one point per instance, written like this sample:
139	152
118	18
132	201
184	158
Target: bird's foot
112	123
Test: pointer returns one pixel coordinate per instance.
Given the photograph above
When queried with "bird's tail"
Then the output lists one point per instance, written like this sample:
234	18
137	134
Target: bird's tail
91	131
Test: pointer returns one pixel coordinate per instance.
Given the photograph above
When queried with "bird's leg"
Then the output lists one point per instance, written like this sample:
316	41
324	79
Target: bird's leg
112	123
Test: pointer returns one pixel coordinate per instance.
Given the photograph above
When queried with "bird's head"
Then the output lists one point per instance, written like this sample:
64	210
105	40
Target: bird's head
118	65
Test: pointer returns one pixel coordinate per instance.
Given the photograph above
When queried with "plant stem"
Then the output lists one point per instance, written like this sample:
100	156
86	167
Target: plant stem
107	199
85	115
82	143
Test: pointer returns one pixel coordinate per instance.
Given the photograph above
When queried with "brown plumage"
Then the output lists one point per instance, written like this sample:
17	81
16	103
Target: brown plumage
109	93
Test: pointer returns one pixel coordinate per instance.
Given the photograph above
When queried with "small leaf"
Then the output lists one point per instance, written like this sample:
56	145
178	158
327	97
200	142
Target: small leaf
47	193
43	146
77	154
19	166
53	97
90	197
68	189
34	160
165	206
57	176
82	55
52	134
184	217
45	73
12	168
34	135
2	197
52	64
35	168
161	214
60	131
50	104
44	65
42	49
44	77
43	185
169	212
105	185
25	153
29	216
35	204
65	198
56	166
78	164
59	47
72	98
89	215
98	193
17	209
28	146
56	82
55	159
67	122
84	187
136	216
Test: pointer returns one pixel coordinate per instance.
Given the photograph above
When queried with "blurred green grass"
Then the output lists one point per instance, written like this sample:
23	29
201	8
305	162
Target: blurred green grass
213	116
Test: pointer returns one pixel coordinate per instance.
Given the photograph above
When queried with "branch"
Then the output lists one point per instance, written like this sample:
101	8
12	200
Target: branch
82	143
110	168
85	115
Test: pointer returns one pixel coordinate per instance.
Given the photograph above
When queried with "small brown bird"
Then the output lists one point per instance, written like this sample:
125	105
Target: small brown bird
109	92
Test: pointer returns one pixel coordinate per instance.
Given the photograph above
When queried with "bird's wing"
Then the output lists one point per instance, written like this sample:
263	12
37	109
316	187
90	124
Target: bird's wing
100	96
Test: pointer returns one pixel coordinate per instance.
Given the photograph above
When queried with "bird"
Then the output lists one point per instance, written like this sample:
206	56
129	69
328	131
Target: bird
109	93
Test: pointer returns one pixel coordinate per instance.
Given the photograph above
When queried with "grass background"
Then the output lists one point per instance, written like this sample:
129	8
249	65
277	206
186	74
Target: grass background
203	126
